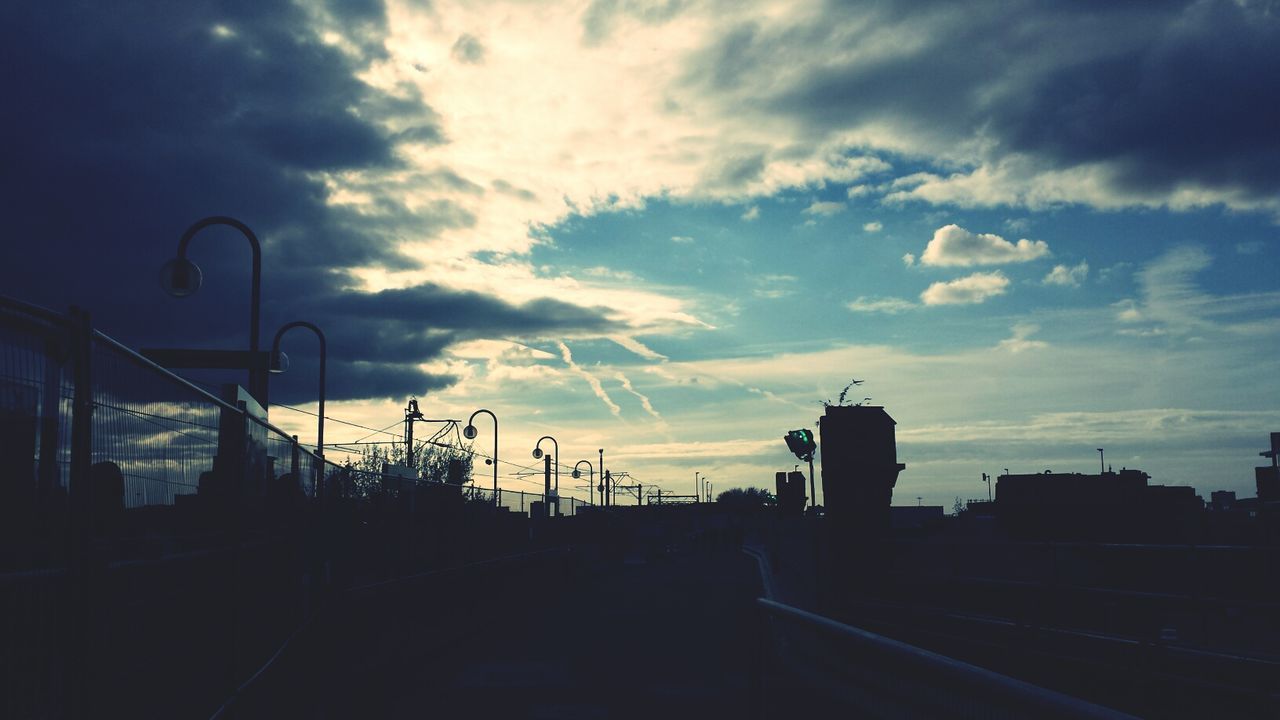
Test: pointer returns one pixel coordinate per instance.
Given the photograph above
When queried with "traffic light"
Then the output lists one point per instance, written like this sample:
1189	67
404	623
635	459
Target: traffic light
801	443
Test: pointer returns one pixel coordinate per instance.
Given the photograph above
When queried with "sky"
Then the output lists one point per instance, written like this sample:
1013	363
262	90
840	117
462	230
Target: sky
674	230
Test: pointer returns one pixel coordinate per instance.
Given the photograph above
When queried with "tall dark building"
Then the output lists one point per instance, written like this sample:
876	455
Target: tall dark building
859	467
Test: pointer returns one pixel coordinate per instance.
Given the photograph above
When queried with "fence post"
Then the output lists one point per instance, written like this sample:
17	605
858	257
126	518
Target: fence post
78	605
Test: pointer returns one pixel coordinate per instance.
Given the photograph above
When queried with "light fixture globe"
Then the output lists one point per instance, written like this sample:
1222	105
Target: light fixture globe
537	453
576	474
180	277
469	432
279	362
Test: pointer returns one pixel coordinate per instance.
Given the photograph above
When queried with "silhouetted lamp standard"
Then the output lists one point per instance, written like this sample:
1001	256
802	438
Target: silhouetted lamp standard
604	499
697	487
1102	460
470	432
180	278
591	477
280	363
537	455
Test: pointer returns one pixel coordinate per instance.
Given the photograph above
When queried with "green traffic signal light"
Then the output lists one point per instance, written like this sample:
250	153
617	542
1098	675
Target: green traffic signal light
801	443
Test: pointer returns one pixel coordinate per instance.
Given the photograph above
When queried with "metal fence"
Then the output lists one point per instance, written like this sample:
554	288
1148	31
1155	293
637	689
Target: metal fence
158	543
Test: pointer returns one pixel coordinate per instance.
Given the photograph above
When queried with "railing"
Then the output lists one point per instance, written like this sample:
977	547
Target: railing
881	677
159	544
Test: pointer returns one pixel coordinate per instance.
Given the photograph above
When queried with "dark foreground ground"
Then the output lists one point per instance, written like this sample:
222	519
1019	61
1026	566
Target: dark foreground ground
559	635
670	637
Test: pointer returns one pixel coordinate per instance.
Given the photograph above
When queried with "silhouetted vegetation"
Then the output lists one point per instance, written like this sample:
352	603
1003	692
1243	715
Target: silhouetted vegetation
431	461
747	498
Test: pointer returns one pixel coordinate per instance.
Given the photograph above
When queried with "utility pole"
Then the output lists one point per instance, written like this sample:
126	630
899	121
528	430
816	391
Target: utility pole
604	501
1102	461
987	479
411	413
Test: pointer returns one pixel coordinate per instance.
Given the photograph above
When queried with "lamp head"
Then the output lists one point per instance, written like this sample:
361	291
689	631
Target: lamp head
469	432
576	474
279	362
537	453
180	277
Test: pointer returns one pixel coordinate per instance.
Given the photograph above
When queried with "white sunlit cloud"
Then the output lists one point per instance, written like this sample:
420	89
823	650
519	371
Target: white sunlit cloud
637	347
886	305
644	399
953	246
1067	276
872	227
968	290
825	209
592	381
1020	340
1170	301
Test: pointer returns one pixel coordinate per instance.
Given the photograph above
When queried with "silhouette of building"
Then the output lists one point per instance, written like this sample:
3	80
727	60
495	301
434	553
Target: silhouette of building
1111	506
859	467
789	487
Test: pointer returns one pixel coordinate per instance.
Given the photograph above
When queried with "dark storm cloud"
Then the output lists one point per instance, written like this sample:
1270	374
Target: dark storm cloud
376	340
1165	94
125	122
467	313
352	380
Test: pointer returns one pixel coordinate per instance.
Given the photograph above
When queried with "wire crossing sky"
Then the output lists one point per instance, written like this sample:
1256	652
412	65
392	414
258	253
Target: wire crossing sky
673	230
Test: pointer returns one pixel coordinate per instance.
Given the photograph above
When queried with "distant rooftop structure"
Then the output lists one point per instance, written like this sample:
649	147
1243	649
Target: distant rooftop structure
1111	506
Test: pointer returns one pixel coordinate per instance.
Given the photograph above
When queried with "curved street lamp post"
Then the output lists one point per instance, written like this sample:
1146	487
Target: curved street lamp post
280	363
180	277
555	461
470	432
591	478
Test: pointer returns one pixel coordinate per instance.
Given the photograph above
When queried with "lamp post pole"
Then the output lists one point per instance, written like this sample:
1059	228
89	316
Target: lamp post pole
697	486
184	279
278	362
470	432
1102	460
604	497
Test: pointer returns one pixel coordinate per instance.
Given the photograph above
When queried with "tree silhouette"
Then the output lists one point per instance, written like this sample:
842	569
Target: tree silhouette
430	461
746	498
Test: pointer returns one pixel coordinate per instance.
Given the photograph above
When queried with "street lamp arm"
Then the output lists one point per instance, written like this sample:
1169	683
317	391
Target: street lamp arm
255	291
275	352
471	427
556	445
